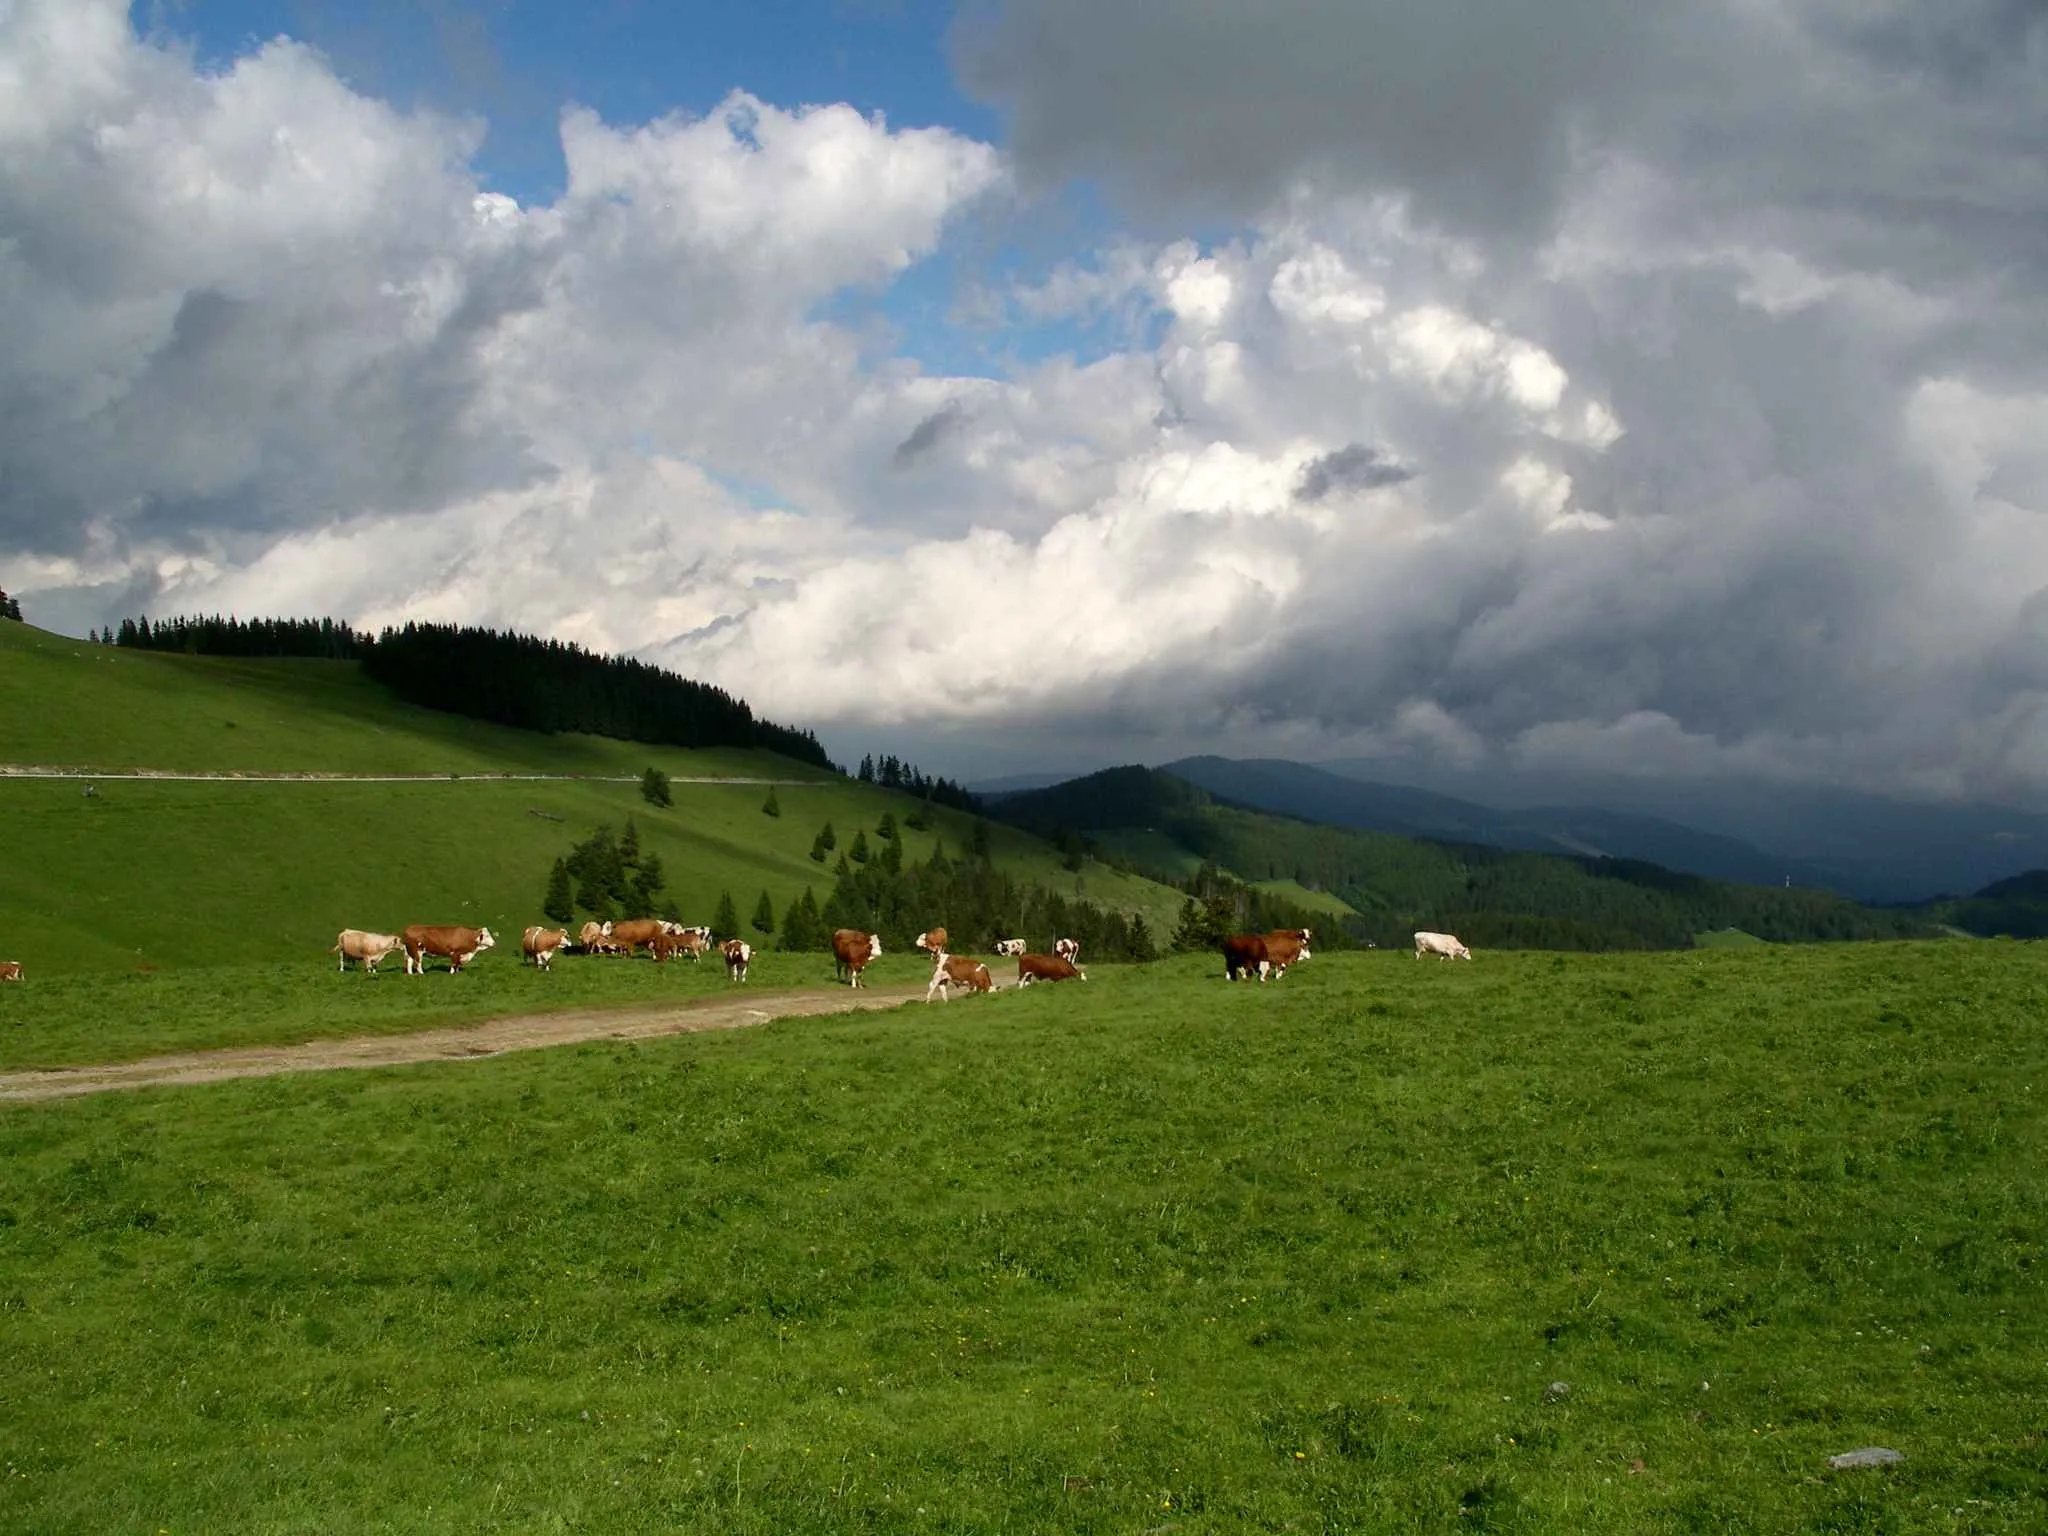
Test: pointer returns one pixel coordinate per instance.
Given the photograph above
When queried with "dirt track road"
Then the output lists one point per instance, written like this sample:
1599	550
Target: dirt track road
470	1042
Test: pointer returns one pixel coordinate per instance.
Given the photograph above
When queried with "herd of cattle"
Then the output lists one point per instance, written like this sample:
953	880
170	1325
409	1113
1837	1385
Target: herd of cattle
1265	955
852	951
1245	955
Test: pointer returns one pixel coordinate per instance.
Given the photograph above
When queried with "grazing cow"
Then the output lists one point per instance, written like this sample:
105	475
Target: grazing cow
737	953
1285	947
365	948
1068	950
932	941
596	938
460	945
1444	944
630	934
1244	955
1010	946
852	950
1032	968
10	970
540	945
957	971
688	942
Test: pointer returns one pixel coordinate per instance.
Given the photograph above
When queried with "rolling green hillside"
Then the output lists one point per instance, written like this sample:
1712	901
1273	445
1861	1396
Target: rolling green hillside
1489	896
160	872
1158	1254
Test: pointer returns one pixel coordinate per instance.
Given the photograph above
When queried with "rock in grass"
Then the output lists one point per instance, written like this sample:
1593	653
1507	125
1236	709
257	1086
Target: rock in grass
1557	1392
1869	1456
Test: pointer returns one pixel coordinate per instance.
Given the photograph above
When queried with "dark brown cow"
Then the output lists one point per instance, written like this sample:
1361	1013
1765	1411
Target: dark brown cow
1032	968
852	950
1244	956
460	945
957	971
1285	947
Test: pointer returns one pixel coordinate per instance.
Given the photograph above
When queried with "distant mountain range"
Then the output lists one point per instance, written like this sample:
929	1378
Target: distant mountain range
1866	846
1296	789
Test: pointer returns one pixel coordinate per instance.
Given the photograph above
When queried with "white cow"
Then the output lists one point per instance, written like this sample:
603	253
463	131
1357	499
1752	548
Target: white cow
1010	946
1444	944
1068	950
367	948
738	955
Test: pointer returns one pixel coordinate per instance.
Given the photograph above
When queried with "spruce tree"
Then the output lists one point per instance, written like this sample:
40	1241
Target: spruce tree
978	844
886	828
771	806
726	924
629	845
764	915
818	848
859	850
560	904
654	787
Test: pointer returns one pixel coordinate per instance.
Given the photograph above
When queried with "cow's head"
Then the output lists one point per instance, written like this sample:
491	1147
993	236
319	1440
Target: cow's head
484	939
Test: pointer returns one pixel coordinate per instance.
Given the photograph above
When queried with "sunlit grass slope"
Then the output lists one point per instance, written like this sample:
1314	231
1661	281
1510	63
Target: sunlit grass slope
1157	1253
165	873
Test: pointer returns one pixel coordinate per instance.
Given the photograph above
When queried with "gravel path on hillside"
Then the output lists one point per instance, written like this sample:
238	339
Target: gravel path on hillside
469	1042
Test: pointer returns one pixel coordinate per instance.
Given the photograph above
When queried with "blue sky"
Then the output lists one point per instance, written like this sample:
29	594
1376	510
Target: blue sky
517	63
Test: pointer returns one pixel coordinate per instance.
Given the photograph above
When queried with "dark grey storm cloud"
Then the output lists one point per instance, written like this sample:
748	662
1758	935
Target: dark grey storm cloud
927	435
1470	106
1356	467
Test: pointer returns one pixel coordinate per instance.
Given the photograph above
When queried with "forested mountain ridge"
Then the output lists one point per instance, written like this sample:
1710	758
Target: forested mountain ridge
1492	897
1301	789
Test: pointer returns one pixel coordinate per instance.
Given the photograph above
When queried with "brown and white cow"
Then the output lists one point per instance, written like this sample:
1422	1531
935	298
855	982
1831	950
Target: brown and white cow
737	953
957	971
541	945
1285	947
364	947
852	950
1245	956
1444	944
1068	950
10	970
689	942
932	941
1008	947
1032	968
460	945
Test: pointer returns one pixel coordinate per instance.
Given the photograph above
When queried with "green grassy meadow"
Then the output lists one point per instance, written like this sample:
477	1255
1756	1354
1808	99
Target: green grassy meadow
154	875
1154	1254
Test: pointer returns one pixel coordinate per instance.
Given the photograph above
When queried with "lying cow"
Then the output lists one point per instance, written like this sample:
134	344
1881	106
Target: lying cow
365	948
1007	947
852	950
1245	955
541	945
689	942
1444	944
932	941
10	970
460	945
737	953
1068	950
957	971
1032	968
